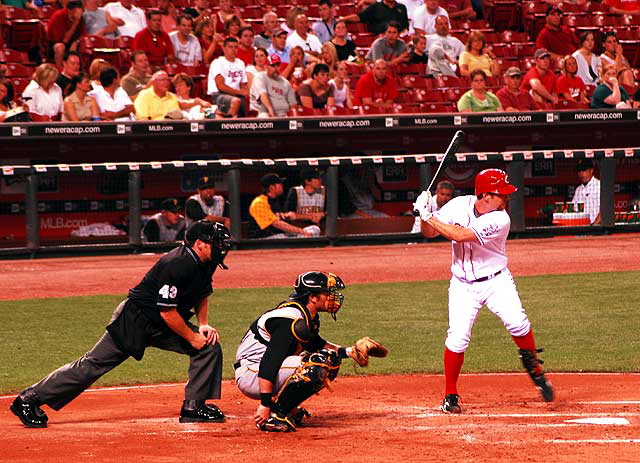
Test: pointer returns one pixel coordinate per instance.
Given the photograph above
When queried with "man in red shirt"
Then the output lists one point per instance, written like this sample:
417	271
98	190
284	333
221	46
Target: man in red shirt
154	41
245	45
376	88
511	96
555	37
540	80
64	30
624	6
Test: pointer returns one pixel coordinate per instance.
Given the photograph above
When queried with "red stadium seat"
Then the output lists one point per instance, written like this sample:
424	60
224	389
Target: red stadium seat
124	42
597	7
337	111
369	109
414	68
8	55
449	82
346	9
416	82
19	84
12	13
514	36
90	42
415	108
525	49
363	39
438	108
454	94
504	14
433	96
606	20
18	70
501	50
24	34
568	104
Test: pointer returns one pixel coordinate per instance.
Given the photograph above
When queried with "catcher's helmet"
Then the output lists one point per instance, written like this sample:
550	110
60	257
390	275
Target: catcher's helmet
320	282
213	233
494	181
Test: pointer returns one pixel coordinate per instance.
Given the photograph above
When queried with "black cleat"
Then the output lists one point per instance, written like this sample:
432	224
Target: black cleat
532	363
200	412
299	416
277	423
450	404
544	386
31	415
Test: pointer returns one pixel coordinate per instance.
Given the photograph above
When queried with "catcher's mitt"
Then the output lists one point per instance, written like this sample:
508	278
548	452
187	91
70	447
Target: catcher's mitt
365	347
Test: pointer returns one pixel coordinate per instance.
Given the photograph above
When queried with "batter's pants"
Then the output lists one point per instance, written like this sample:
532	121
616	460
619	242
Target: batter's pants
67	382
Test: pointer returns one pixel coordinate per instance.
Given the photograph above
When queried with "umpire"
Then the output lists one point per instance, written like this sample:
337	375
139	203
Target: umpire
156	313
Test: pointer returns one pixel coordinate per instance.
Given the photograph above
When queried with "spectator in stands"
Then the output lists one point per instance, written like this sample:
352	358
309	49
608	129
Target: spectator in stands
316	92
279	45
328	56
6	98
361	191
199	9
206	204
308	200
113	101
610	94
156	101
631	7
424	21
555	37
345	47
271	94
129	18
478	56
376	87
511	96
478	99
95	69
43	96
269	24
588	192
460	9
185	45
245	45
290	19
418	50
138	76
259	64
154	41
64	29
95	20
205	32
389	47
569	86
540	80
227	82
613	55
302	38
340	83
169	15
192	108
232	28
589	64
79	106
226	10
325	28
166	225
378	15
70	69
443	49
268	214
444	194
294	71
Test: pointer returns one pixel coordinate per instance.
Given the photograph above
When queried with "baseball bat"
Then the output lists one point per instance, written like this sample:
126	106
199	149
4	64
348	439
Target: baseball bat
452	149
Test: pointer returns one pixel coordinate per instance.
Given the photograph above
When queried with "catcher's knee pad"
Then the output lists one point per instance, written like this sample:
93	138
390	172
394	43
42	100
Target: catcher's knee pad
315	372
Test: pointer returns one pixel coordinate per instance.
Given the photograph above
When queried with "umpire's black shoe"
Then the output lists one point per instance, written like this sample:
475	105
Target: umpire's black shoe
450	404
31	415
196	411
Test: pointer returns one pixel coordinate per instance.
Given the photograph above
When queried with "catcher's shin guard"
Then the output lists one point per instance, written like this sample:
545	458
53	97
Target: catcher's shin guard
532	363
316	372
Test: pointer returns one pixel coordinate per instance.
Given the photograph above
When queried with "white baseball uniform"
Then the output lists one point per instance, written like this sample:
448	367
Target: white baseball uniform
480	274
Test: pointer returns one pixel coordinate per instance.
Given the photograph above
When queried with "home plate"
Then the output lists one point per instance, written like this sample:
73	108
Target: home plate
614	421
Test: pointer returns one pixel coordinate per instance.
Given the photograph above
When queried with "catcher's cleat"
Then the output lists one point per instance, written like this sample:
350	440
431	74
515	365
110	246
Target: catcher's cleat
195	411
31	415
299	415
450	404
544	386
278	423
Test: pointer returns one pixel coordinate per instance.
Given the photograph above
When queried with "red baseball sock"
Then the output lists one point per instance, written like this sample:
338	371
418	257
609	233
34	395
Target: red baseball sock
452	366
527	342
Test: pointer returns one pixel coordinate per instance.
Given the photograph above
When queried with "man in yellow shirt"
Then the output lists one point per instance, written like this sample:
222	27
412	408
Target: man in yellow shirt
268	216
156	101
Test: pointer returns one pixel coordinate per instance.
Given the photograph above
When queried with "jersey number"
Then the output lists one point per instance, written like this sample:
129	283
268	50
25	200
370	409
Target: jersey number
168	292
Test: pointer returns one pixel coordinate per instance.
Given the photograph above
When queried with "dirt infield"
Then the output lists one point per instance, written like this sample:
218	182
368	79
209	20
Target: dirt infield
367	418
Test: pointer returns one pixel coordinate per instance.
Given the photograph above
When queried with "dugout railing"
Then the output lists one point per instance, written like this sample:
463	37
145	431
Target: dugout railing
102	207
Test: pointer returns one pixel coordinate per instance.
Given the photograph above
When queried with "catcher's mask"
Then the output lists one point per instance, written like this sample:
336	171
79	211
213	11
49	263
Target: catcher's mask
213	233
320	282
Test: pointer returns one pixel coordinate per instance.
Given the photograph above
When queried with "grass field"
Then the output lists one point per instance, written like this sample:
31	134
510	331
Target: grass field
586	322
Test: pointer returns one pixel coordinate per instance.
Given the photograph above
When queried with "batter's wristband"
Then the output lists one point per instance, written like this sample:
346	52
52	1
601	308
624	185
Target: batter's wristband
266	400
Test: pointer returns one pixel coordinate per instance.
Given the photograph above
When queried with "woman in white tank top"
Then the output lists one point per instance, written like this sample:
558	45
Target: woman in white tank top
340	84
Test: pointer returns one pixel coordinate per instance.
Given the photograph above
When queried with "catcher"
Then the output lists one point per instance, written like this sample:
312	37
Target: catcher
282	360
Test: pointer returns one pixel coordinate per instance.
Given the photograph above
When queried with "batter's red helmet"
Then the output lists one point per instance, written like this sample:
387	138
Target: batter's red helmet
494	181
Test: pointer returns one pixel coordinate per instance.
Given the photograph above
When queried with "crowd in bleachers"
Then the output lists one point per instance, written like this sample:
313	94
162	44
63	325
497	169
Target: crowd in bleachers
78	60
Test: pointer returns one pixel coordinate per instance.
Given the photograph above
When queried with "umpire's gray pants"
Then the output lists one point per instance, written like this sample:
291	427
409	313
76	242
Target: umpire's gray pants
67	382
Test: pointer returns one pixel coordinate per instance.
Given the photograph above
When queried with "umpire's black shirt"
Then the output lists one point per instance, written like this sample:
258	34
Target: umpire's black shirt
178	280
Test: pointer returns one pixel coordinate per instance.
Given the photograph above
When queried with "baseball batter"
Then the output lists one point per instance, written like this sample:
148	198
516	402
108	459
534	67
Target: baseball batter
478	227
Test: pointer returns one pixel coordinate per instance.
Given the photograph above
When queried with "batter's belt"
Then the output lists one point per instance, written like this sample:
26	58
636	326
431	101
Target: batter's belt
488	277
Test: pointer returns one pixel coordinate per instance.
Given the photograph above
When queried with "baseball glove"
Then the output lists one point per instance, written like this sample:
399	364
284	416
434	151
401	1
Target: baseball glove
366	347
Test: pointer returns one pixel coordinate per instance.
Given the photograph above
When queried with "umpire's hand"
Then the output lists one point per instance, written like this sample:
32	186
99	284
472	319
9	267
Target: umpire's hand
210	333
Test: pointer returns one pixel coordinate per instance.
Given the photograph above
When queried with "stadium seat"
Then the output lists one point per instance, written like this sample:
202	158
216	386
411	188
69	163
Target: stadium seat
413	82
345	9
369	110
432	96
357	28
524	49
19	84
123	42
454	94
18	70
24	34
594	7
12	13
363	39
606	20
568	104
414	69
438	108
8	55
411	108
90	42
501	50
504	14
449	82
514	37
337	111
